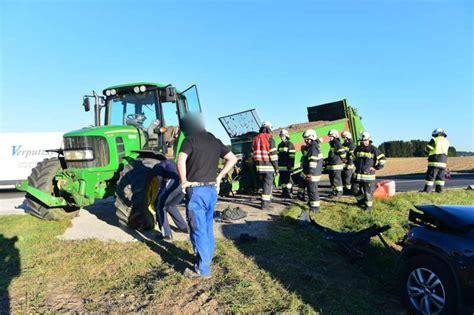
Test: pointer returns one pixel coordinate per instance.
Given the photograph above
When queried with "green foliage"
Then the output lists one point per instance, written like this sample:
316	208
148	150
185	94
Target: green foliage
413	148
452	151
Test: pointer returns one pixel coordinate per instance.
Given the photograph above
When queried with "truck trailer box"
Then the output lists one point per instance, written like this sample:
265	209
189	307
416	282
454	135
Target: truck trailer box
20	152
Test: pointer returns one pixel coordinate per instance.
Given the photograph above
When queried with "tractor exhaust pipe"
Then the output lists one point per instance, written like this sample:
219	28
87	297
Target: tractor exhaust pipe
96	108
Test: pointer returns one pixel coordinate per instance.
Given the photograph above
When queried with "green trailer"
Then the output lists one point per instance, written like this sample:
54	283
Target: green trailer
136	127
242	127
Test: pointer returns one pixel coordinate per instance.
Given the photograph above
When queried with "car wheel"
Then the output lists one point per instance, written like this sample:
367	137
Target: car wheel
428	286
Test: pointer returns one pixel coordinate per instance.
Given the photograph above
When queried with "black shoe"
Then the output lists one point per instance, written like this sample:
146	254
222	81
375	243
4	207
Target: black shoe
286	195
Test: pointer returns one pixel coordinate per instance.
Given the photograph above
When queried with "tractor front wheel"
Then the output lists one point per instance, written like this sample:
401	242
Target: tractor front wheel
42	178
136	194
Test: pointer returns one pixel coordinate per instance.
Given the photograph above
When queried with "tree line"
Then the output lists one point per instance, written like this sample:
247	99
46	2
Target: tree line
413	148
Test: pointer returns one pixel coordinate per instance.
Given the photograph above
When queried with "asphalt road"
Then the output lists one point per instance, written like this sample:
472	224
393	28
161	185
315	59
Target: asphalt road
417	182
403	183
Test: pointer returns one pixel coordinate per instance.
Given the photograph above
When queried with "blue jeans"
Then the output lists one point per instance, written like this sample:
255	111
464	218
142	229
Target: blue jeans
200	203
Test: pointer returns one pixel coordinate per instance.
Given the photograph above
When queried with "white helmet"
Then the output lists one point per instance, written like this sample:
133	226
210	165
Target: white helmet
365	136
437	132
284	133
333	133
268	124
310	134
346	134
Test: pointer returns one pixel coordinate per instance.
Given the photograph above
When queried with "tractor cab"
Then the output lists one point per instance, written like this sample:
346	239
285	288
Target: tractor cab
154	109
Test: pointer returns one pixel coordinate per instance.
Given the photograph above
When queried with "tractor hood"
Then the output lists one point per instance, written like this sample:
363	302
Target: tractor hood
104	131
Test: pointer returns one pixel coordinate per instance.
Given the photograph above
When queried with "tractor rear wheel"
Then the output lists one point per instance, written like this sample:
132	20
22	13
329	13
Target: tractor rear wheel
136	194
42	178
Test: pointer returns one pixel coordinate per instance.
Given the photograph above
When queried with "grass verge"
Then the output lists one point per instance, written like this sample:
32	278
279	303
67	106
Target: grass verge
294	271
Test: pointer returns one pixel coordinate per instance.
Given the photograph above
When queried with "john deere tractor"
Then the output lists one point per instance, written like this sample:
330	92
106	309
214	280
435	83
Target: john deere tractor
136	127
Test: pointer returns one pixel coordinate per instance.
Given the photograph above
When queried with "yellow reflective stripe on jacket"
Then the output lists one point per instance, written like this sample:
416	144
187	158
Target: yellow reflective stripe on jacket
380	156
313	164
266	197
316	158
365	154
364	177
283	149
335	167
272	149
437	164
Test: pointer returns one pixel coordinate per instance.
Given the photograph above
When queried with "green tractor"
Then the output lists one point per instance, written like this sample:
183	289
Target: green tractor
136	126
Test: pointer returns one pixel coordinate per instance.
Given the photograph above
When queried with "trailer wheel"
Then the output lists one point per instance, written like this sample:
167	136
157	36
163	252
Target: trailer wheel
42	178
136	193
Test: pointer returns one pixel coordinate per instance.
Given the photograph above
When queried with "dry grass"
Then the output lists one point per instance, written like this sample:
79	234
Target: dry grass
295	271
400	166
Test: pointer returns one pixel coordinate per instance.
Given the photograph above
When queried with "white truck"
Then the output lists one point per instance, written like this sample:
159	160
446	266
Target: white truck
20	152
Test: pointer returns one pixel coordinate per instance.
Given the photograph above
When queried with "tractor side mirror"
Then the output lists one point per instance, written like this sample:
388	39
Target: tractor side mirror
86	103
170	94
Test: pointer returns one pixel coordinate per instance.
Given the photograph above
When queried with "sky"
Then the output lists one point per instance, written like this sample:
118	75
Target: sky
406	65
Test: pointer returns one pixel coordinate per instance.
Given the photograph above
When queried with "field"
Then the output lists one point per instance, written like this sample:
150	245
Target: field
294	270
400	166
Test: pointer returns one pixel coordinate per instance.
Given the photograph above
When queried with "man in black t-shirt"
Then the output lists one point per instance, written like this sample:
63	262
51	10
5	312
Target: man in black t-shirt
198	171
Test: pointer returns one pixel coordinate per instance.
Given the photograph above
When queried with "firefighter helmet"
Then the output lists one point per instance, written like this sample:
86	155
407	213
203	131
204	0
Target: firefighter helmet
438	132
284	133
268	124
310	134
365	136
346	134
333	133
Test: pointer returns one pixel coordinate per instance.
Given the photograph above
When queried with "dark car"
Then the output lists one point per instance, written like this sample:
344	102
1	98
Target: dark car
437	260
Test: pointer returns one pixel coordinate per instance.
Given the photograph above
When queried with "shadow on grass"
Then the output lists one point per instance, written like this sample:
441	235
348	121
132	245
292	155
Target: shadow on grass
318	271
177	258
10	267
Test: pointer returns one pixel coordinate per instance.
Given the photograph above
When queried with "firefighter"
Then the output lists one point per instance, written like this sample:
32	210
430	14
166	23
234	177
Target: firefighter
266	161
312	163
334	163
286	162
367	159
349	167
437	151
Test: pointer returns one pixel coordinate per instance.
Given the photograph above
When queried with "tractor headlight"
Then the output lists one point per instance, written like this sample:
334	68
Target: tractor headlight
136	89
79	155
142	88
108	93
113	91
